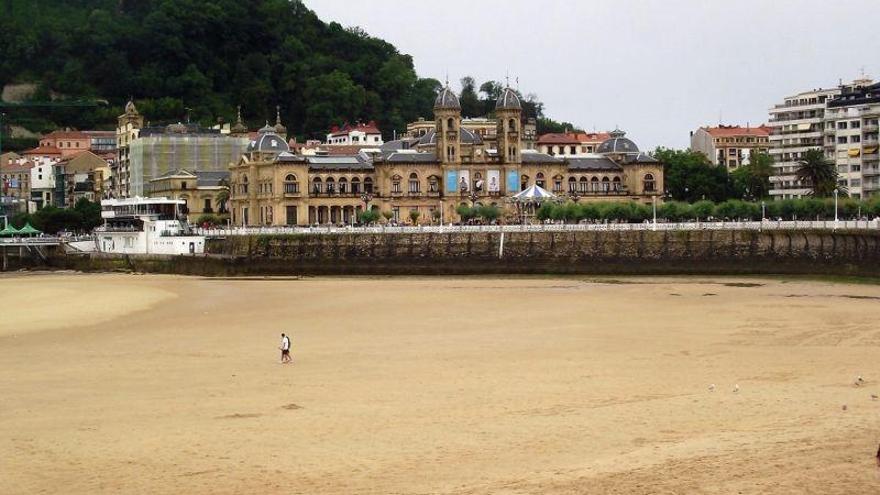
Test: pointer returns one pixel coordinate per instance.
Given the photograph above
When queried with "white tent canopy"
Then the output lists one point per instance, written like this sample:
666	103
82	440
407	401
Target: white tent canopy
534	194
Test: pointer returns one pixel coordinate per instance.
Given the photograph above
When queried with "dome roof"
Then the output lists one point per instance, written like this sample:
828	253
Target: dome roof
467	137
508	100
268	142
617	144
447	99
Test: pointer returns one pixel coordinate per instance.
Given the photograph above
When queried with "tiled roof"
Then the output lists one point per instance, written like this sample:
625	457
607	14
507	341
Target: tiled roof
596	162
350	162
735	130
532	157
398	157
42	150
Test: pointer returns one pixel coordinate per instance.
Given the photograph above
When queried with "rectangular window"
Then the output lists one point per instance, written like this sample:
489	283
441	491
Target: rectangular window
841	140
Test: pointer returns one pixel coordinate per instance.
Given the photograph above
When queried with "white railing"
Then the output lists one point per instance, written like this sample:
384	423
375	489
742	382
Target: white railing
584	227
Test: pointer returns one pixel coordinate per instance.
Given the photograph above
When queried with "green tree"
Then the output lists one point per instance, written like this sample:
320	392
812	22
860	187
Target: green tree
817	173
90	212
414	216
752	181
690	176
470	102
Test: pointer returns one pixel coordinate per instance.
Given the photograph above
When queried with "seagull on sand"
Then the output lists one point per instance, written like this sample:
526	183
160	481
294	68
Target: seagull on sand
874	397
712	388
859	381
736	388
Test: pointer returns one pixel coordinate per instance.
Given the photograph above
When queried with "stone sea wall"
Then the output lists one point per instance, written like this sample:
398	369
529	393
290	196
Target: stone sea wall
600	253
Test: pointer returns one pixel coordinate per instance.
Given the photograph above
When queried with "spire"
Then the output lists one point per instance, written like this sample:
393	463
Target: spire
279	127
239	127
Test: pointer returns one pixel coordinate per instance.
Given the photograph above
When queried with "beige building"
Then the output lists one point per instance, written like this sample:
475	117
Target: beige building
484	127
731	145
128	126
431	173
851	130
200	190
571	143
79	176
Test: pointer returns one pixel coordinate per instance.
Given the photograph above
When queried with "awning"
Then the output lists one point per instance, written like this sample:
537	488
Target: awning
854	152
870	150
9	231
534	193
804	127
28	230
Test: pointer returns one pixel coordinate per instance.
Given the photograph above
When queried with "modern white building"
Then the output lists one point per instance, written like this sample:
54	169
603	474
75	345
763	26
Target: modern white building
851	137
356	135
146	226
797	126
42	181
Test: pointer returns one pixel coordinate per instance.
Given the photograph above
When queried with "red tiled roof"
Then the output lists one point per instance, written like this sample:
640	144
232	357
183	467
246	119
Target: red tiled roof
42	150
18	168
573	137
368	128
735	130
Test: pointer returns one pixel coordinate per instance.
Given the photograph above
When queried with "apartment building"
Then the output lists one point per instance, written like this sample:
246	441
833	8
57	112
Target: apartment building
571	143
851	137
731	145
797	126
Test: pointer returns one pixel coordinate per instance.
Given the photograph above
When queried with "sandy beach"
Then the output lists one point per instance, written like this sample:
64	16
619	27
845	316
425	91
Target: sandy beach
164	385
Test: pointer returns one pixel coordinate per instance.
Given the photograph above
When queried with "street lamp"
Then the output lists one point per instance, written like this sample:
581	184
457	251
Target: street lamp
835	207
473	196
654	206
763	210
574	196
366	197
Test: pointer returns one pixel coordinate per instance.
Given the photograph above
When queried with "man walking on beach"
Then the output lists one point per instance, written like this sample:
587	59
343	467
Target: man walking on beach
285	349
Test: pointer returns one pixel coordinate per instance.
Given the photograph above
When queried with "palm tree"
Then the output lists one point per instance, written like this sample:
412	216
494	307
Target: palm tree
818	173
222	196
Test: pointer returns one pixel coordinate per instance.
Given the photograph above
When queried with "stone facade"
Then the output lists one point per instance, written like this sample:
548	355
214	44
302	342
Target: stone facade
432	173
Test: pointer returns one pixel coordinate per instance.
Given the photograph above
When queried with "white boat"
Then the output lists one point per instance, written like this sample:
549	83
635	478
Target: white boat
146	226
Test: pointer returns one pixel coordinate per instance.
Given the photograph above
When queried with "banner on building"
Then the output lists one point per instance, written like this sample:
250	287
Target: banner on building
464	180
512	181
494	181
452	181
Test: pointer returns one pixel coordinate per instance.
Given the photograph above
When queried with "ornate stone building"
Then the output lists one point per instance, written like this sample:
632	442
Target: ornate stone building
431	174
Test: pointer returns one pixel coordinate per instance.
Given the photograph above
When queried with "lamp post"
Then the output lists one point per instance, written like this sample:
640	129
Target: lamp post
835	207
473	196
763	210
654	207
366	197
573	195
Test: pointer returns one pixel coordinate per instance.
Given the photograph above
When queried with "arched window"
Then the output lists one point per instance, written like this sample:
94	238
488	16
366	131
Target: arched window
414	184
355	185
615	184
450	124
290	184
594	184
649	184
433	184
572	184
524	182
606	184
317	185
557	183
368	184
331	185
511	125
395	184
583	184
244	184
343	185
539	180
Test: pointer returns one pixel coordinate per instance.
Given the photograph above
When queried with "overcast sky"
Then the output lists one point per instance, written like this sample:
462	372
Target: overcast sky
656	68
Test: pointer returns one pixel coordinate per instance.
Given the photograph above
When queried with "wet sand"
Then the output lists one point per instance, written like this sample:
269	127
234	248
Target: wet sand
166	385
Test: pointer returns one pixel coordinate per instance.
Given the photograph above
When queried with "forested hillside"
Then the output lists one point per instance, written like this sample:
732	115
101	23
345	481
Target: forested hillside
203	58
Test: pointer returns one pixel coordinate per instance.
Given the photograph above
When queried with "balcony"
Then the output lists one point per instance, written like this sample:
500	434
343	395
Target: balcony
292	194
870	128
